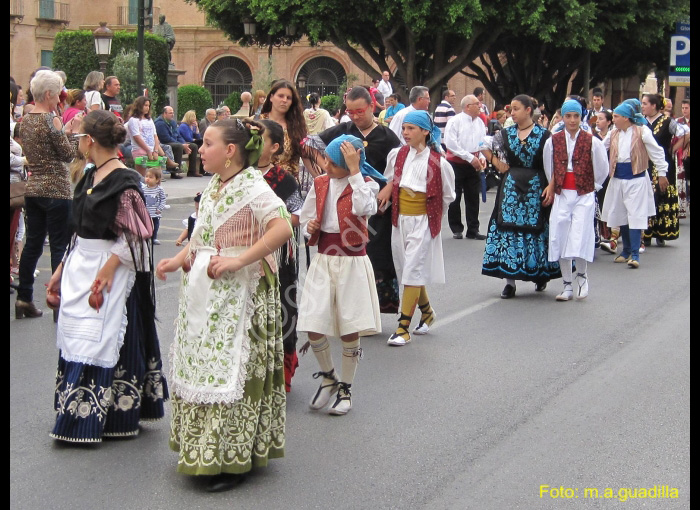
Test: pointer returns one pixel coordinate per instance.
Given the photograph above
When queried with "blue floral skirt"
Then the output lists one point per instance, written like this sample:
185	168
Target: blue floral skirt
93	402
519	254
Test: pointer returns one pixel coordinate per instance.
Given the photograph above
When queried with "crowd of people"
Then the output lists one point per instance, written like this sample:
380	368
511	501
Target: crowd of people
370	193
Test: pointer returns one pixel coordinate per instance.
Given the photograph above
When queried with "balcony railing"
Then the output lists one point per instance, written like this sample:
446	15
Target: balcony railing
129	15
16	8
54	11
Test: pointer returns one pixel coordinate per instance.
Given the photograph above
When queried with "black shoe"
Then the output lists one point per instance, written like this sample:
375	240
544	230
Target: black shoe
175	175
477	236
224	482
457	236
508	292
540	286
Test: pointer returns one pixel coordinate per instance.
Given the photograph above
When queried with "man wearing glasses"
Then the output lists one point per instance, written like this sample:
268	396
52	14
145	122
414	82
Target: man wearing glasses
463	135
419	97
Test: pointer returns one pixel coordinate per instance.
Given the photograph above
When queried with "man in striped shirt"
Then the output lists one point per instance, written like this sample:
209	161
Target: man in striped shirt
444	111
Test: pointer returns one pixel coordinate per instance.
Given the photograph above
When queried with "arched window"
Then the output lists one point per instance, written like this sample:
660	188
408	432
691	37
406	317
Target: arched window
226	75
322	75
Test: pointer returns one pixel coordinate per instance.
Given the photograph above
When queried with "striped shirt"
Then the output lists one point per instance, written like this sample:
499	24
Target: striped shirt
154	198
442	114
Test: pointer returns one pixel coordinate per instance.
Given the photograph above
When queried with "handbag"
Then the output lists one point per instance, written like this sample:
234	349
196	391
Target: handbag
520	205
17	191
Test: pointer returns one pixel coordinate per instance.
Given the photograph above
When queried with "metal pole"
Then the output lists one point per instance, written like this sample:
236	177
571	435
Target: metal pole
139	48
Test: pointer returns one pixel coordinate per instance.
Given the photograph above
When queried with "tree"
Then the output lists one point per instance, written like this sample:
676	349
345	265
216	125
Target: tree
194	97
123	66
429	41
74	53
629	38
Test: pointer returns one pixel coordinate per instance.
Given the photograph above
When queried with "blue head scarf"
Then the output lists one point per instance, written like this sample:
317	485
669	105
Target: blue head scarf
632	109
571	105
336	155
422	119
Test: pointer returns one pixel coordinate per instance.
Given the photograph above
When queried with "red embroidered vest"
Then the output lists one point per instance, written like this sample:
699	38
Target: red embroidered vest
353	229
433	189
581	160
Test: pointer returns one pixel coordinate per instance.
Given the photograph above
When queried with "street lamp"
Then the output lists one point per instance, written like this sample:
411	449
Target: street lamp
301	82
249	27
103	44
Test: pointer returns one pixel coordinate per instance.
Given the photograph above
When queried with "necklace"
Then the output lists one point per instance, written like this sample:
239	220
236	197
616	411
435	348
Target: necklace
523	141
89	191
216	195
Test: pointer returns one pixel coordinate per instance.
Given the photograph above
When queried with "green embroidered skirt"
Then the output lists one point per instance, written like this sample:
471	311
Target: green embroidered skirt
233	438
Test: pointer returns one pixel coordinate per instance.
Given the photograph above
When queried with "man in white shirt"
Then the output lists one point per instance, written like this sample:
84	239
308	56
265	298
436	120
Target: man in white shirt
420	100
463	135
385	85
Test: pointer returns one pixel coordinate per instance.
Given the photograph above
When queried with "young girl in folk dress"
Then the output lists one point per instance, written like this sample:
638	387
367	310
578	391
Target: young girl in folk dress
227	357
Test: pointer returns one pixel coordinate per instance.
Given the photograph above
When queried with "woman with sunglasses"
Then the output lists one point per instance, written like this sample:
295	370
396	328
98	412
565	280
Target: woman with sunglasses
109	374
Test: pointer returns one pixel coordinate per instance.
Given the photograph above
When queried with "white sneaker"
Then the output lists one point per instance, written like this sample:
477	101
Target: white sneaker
567	294
343	400
397	340
642	248
324	392
582	285
156	242
421	329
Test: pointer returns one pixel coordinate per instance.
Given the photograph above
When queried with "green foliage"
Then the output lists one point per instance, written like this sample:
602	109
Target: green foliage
233	101
74	53
193	97
331	102
429	41
123	65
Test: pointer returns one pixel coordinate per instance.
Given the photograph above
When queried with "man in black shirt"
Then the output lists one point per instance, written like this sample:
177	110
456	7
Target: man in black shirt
109	96
378	141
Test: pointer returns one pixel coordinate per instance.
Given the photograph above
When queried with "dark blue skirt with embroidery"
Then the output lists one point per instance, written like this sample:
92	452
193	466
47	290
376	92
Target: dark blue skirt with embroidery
519	253
94	402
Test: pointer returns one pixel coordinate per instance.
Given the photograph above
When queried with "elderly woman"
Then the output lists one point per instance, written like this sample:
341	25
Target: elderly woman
48	195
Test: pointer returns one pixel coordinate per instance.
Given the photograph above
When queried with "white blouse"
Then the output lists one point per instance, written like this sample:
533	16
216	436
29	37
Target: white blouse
415	173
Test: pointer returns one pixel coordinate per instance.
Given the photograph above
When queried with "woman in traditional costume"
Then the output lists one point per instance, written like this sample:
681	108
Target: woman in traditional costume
109	369
227	373
518	234
664	225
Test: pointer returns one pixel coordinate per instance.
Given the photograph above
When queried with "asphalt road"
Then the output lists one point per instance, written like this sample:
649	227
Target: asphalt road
526	403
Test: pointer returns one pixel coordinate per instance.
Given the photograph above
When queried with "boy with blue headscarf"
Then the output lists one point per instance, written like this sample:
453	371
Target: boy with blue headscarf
629	200
576	165
421	187
339	297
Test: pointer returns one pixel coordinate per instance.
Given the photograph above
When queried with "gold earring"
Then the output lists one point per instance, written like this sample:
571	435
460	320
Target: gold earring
228	163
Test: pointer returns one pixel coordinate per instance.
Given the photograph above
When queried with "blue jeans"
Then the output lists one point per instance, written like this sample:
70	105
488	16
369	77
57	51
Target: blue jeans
631	240
156	226
43	215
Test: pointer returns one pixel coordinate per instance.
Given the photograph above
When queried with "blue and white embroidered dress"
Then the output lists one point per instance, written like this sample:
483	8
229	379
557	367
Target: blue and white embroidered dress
518	232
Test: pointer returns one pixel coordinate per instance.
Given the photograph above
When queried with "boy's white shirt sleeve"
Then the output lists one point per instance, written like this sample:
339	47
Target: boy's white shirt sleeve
601	165
364	195
308	210
448	184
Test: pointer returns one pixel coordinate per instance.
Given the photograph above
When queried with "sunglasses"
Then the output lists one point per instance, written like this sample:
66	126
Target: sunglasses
359	111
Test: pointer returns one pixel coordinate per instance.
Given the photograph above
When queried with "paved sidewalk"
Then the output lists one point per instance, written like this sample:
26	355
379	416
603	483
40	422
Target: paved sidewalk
182	191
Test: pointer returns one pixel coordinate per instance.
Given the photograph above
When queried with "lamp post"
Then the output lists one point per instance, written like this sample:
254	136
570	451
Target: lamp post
103	44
